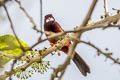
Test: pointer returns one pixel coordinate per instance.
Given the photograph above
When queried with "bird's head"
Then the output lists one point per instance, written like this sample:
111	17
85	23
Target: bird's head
49	18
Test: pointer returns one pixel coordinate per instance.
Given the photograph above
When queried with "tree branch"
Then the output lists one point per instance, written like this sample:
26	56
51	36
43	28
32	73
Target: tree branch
28	16
99	51
7	55
106	8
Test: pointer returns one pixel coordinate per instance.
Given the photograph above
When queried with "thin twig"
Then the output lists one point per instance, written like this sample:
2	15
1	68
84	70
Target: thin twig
106	8
7	55
88	16
107	55
11	25
41	17
14	35
41	14
28	16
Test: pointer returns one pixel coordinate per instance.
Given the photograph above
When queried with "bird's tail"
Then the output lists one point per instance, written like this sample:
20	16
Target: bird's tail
81	64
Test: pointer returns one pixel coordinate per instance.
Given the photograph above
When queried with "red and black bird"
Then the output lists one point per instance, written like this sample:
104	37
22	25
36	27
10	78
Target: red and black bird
50	25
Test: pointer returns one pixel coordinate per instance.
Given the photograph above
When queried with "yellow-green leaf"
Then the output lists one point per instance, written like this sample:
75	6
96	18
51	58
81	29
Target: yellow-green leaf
9	45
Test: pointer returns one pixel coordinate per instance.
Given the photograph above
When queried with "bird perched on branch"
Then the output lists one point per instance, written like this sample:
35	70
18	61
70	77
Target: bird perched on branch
51	26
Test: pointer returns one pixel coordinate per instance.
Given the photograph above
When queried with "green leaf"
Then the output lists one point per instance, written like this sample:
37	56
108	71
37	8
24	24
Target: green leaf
9	45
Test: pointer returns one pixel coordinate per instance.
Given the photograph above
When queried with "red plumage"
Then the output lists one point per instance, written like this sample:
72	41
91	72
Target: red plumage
51	25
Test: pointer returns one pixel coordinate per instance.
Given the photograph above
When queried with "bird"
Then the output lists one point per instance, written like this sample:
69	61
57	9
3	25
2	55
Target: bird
51	26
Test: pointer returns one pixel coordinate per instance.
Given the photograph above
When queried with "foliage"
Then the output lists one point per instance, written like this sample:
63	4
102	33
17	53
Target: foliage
39	67
9	45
